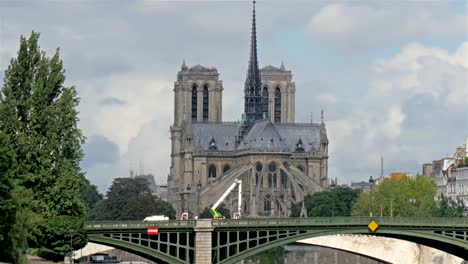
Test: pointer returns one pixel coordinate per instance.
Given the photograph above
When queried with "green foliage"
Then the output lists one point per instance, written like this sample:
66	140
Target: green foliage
129	199
89	193
447	207
466	161
222	209
7	204
406	197
62	234
337	202
38	114
164	208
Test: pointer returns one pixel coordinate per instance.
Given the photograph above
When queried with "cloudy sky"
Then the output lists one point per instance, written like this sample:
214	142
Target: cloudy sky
391	76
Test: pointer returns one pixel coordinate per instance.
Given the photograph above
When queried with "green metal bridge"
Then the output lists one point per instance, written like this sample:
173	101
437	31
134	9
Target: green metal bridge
229	241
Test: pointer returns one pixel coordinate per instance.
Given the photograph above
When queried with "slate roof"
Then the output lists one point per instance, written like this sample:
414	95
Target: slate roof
223	133
263	135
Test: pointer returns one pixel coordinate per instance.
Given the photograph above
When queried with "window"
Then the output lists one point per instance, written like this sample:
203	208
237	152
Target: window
258	173
226	168
284	180
265	101
212	172
301	168
194	102
205	102
272	178
277	105
267	205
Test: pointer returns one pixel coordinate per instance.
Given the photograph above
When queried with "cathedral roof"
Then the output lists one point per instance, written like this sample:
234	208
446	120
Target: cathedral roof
263	135
308	133
224	135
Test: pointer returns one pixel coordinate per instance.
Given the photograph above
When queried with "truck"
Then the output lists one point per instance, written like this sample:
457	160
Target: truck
237	214
156	218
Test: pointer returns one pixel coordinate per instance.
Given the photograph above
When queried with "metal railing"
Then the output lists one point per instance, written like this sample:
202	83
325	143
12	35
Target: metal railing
285	222
345	221
110	225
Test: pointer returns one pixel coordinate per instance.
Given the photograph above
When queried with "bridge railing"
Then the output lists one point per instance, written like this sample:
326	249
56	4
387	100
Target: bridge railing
104	225
344	221
287	222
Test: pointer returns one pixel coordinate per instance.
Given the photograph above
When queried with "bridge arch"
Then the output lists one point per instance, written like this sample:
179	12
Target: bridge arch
232	240
442	243
145	252
238	239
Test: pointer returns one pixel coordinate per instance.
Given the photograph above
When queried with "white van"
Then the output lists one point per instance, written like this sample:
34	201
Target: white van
156	218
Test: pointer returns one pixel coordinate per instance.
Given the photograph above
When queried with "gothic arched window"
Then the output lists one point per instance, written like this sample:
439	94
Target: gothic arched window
194	102
212	172
277	105
265	101
205	103
272	175
267	205
301	168
258	173
284	180
226	168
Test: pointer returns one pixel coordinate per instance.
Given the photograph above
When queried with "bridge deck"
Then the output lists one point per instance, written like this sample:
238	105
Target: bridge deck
422	222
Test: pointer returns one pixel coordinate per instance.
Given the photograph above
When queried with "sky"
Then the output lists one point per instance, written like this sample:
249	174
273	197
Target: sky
391	76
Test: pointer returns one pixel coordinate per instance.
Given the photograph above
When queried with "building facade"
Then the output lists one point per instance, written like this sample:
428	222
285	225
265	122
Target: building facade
279	161
451	175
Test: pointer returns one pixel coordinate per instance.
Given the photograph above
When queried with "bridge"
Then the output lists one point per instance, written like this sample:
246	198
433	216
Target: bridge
231	240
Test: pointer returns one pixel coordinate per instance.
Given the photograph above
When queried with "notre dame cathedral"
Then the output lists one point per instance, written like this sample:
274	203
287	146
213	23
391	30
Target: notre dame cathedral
279	161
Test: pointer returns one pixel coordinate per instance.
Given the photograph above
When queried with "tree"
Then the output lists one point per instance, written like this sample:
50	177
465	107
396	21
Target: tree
447	207
38	114
337	202
7	204
408	196
164	208
89	193
222	209
126	199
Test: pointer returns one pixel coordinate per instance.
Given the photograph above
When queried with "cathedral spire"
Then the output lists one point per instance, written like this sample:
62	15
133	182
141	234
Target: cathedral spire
253	99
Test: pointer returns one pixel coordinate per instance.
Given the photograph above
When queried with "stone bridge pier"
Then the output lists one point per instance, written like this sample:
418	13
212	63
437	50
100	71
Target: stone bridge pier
203	247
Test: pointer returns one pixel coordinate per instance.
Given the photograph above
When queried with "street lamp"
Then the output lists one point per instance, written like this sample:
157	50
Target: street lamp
198	199
188	200
332	185
371	182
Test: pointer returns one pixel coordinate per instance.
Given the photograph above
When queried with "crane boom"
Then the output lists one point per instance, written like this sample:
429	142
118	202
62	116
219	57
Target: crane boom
225	194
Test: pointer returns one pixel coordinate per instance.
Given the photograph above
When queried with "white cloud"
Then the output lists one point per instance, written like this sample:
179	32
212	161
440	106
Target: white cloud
146	100
415	110
370	25
395	118
326	98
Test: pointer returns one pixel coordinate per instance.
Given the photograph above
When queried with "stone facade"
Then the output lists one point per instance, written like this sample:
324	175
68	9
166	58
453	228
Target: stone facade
451	175
278	160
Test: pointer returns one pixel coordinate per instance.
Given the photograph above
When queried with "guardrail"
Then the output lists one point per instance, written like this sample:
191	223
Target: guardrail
284	222
106	225
345	221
